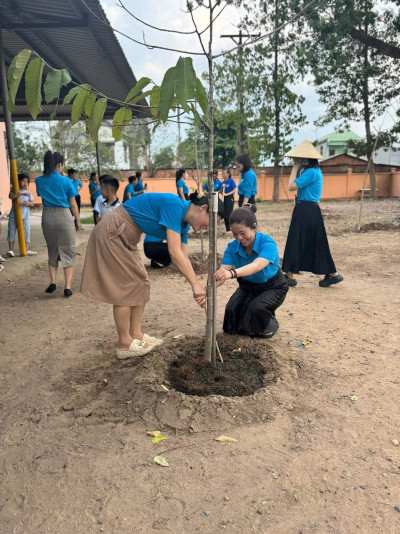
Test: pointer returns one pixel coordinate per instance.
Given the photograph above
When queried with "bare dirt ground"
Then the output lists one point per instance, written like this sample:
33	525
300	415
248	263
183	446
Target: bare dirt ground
314	451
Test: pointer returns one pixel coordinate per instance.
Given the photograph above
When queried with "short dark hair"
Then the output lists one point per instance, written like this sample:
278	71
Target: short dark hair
310	163
51	160
22	176
71	171
179	173
244	215
138	175
92	175
245	161
109	181
132	178
200	201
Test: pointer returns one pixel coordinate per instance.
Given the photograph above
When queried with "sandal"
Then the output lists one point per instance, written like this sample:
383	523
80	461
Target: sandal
136	348
152	340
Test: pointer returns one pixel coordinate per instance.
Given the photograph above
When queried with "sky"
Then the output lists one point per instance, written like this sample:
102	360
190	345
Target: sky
153	62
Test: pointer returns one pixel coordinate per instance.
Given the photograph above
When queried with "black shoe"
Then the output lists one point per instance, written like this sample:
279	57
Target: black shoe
51	288
271	330
291	282
157	265
329	280
67	293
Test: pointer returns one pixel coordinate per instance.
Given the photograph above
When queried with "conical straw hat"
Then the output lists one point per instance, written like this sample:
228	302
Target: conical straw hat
304	150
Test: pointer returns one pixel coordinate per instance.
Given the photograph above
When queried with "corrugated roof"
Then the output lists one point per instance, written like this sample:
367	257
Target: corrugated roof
91	54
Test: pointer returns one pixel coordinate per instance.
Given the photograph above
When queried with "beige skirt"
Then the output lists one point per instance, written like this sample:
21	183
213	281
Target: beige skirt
113	271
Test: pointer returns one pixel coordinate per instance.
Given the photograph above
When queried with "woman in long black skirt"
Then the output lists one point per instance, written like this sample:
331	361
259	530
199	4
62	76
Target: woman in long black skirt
307	247
228	192
253	259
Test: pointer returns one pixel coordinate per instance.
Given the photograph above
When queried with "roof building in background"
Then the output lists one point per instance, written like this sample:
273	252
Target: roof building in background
68	34
336	142
388	155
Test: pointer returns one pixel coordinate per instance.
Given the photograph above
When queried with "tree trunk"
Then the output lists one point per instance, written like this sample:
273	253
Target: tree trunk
277	146
210	340
367	121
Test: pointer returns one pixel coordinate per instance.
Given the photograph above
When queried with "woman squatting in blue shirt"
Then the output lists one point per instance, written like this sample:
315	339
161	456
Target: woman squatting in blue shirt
307	247
248	182
253	259
114	272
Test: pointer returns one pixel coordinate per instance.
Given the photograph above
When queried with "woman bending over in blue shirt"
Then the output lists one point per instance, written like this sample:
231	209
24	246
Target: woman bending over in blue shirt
307	247
247	189
253	259
114	271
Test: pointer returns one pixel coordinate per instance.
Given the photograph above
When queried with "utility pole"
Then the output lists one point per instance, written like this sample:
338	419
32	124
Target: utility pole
238	40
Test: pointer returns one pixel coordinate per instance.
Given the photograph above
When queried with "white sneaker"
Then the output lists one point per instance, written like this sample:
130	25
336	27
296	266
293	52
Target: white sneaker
31	253
1	267
2	259
10	253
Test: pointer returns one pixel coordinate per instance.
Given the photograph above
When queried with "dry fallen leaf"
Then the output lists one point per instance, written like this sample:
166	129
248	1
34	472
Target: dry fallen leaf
157	439
164	387
237	350
160	460
225	438
154	433
395	442
177	336
354	398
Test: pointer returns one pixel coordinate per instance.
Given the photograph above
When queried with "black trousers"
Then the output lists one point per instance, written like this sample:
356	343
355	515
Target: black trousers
228	208
157	252
93	202
252	200
252	306
78	203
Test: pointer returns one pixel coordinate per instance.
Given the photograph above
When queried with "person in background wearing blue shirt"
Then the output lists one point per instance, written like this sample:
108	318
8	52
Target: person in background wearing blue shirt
253	259
228	192
182	189
94	190
138	186
307	247
77	185
26	201
248	182
217	183
58	197
129	190
114	272
156	249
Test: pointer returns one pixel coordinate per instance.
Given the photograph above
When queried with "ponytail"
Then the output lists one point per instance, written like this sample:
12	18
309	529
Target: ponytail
51	160
179	173
200	200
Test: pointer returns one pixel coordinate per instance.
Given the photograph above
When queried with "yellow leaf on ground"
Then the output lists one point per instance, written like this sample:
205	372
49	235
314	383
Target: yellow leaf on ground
160	460
153	433
225	438
164	387
395	442
354	398
157	439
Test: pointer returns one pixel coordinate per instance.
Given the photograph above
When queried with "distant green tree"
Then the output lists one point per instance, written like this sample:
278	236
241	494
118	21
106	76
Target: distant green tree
164	158
356	83
29	148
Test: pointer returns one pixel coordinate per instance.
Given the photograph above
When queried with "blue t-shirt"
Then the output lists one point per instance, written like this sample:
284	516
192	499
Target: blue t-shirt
264	247
248	184
310	185
55	190
217	185
229	185
155	212
92	187
139	186
128	189
181	183
77	184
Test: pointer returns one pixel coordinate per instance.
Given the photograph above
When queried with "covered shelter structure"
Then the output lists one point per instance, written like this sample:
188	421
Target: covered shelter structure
71	34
